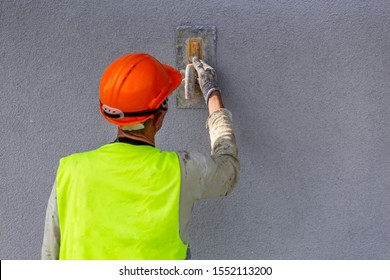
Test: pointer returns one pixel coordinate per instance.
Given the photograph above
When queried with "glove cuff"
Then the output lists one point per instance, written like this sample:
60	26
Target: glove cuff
209	92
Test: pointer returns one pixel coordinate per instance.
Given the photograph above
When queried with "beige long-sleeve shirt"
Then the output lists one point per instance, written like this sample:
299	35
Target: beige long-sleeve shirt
202	176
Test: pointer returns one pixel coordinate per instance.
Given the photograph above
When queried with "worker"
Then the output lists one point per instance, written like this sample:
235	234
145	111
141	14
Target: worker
128	199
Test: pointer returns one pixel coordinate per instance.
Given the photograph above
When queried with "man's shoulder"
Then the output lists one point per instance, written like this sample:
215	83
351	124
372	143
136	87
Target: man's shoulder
119	149
81	154
189	158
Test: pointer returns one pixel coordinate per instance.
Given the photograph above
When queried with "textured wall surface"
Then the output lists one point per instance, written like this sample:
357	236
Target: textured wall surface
308	83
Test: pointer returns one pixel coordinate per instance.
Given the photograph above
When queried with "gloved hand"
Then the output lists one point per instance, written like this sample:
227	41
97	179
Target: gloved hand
206	77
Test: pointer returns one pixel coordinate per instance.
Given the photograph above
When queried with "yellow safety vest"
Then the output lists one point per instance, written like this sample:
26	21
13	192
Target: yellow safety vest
120	201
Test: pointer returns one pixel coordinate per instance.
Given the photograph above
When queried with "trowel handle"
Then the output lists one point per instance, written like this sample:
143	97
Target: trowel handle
189	81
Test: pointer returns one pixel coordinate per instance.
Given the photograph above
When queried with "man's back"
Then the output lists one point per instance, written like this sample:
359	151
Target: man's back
123	197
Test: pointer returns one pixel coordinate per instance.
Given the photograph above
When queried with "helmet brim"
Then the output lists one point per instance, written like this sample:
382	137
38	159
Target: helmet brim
174	76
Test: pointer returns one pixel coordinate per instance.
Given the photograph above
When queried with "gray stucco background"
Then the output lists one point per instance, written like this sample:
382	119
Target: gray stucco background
308	85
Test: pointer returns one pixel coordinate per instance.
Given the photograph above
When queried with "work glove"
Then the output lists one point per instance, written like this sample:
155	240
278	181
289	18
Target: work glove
206	77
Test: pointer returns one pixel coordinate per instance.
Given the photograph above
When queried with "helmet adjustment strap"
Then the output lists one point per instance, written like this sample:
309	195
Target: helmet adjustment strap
118	114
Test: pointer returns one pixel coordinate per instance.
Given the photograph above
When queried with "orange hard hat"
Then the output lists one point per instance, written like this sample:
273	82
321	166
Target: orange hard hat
133	88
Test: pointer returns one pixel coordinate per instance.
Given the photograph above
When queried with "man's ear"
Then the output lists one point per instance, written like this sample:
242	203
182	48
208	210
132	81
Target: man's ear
158	119
157	116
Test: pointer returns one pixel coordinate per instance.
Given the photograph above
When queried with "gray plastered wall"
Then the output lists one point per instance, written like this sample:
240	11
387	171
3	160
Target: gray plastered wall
308	83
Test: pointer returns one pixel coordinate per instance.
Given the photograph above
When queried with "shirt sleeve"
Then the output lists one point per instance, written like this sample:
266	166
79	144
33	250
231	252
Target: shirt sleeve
51	236
209	176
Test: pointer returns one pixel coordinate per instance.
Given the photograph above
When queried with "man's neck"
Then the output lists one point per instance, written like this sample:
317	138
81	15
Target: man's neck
139	135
